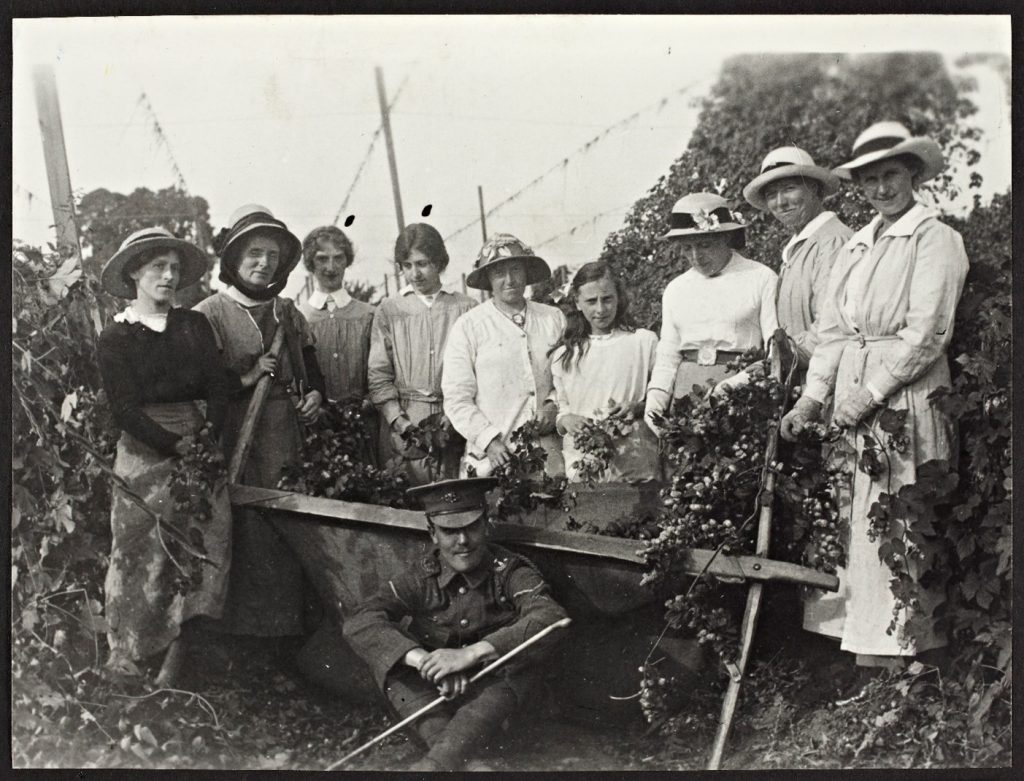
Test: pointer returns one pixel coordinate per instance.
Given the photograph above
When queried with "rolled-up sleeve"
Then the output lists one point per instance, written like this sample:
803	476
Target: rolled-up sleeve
940	268
537	610
459	388
823	253
373	631
824	363
380	373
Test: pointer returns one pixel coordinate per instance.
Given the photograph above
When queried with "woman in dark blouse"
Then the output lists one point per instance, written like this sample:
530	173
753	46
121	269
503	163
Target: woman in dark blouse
156	363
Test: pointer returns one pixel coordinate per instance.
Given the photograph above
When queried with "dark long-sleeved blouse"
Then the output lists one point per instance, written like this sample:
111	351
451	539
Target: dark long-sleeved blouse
141	366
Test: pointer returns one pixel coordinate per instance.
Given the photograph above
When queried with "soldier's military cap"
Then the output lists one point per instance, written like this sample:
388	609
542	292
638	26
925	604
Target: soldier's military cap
452	504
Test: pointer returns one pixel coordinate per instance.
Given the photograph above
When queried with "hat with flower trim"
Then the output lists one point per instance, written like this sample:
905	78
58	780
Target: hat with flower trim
702	213
499	248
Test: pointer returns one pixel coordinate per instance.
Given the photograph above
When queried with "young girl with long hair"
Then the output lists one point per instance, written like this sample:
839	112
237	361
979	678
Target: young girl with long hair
600	367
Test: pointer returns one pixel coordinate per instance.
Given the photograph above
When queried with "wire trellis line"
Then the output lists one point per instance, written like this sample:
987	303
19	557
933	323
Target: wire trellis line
561	164
591	221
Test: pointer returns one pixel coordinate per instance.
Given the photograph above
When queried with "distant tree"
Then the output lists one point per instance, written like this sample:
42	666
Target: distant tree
820	102
106	218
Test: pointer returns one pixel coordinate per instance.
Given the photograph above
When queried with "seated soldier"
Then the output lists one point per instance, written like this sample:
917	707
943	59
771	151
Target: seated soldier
470	602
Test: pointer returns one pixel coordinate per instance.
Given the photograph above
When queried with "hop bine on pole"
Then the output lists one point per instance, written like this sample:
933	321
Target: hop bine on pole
430	706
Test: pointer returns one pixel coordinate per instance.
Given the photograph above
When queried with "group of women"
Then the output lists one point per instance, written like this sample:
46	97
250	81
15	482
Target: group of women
870	315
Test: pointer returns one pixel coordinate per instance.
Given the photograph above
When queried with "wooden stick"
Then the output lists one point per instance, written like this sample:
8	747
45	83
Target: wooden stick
252	415
753	606
430	706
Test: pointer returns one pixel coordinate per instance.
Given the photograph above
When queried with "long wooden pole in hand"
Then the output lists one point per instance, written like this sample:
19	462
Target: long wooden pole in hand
430	706
753	607
252	414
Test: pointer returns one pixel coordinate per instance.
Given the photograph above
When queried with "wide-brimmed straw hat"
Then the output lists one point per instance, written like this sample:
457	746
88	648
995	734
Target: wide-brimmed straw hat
788	162
453	504
245	221
888	139
115	275
702	213
499	248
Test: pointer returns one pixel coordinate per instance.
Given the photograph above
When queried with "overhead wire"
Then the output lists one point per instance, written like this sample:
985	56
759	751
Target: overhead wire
561	164
590	221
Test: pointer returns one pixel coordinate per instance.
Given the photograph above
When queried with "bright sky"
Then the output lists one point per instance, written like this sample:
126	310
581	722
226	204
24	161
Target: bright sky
281	111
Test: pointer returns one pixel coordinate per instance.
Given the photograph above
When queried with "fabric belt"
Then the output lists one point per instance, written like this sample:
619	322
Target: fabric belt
723	356
862	340
413	395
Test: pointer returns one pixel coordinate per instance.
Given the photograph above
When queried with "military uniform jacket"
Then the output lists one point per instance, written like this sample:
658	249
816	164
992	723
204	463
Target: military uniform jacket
504	601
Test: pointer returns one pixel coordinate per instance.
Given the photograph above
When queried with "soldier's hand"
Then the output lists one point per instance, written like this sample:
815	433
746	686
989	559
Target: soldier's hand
451	686
444	662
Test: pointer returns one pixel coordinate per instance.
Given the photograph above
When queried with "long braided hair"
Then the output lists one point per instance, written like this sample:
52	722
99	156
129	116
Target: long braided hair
576	337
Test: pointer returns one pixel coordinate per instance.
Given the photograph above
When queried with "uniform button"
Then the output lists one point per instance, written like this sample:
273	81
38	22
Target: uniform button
464	622
335	355
462	589
331	316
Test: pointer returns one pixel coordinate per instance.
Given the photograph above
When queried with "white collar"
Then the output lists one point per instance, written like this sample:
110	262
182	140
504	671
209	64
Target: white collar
806	232
241	298
904	226
318	298
410	289
156	323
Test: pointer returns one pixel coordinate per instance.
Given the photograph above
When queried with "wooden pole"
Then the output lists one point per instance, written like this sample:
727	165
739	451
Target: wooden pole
483	214
484	295
385	118
754	593
55	154
252	414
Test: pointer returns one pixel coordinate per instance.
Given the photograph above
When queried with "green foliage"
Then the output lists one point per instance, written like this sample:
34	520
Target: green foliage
334	464
820	102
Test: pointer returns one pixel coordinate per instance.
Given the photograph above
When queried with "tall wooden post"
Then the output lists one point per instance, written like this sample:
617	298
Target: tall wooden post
385	119
483	214
55	154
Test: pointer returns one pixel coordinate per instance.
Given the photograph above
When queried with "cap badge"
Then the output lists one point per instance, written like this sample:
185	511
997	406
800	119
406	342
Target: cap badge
451	497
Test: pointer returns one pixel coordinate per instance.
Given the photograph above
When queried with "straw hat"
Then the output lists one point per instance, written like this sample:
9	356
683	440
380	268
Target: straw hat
244	221
788	162
453	504
115	275
702	213
499	248
888	139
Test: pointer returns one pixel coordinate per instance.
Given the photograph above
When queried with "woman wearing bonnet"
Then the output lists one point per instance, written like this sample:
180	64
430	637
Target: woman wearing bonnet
257	253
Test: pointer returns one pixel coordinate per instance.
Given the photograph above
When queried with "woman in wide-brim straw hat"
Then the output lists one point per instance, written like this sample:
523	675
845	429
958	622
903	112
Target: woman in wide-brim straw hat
257	253
723	306
497	374
887	322
792	188
157	362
